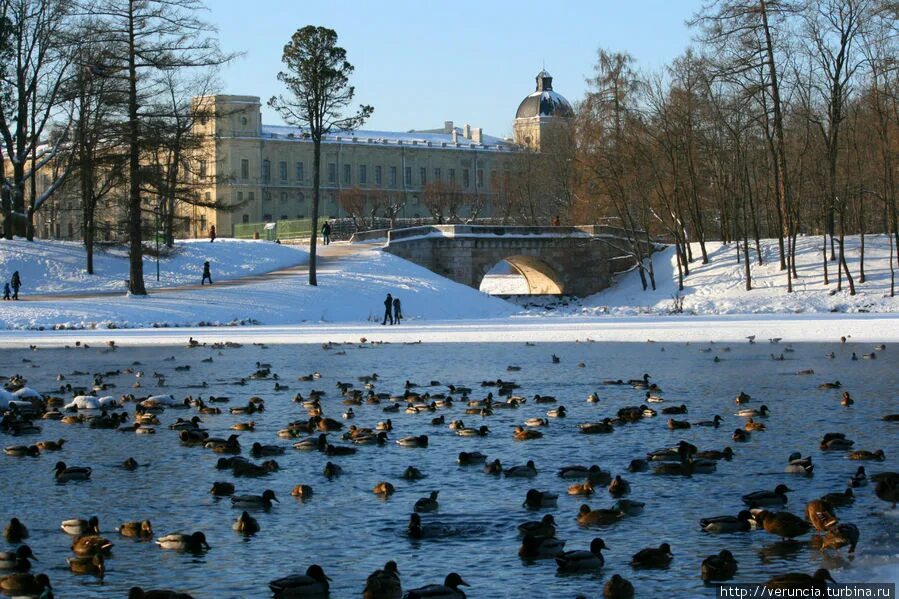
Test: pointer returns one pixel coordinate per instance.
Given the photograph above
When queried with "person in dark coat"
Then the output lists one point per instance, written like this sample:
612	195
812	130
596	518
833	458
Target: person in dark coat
16	282
388	309
206	274
397	310
6	290
211	233
326	232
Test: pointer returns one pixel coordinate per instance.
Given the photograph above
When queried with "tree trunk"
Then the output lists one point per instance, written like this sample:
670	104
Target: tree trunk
861	232
842	244
316	191
135	245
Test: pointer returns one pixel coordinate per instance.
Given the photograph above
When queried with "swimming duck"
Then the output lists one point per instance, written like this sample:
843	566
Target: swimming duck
91	564
384	583
796	464
246	524
593	398
384	489
619	486
588	517
753	412
539	499
427	504
762	498
471	457
21	451
742	522
841	535
412	473
545	527
681	409
833	385
15	531
585	488
51	445
715	422
594	428
677	424
867	455
743	398
719	567
859	479
139	593
482	431
539	547
529	470
653	557
193	543
525	434
638	465
313	583
332	470
63	473
17	560
783	524
752	426
142	529
258	450
91	545
836	442
713	454
263	501
448	590
536	422
77	527
222	489
820	513
640	383
419	441
629	507
494	467
888	490
799	580
840	499
740	436
846	400
582	561
618	588
302	491
23	583
559	412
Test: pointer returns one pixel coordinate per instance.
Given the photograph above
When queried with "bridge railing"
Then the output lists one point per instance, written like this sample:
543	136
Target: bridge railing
395	235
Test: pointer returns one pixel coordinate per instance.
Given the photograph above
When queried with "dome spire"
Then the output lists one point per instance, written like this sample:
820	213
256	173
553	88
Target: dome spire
544	81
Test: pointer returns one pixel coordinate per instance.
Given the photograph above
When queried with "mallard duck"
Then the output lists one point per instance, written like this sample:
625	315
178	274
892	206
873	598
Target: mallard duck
332	470
222	489
594	428
888	490
681	409
585	488
715	422
15	531
64	473
619	486
840	499
783	524
313	583
629	507
246	524
139	593
719	567
482	431
525	434
384	583
836	442
412	473
17	560
796	464
78	527
448	590
754	412
862	454
638	465
545	527
263	501
419	441
799	580
193	543
752	426
142	529
23	583
384	489
742	398
846	400
91	564
762	498
559	412
91	545
582	561
539	499
677	424
529	470
821	514
539	547
740	436
618	588
841	535
588	517
51	445
859	479
20	451
495	468
742	522
427	504
653	557
713	454
471	457
258	450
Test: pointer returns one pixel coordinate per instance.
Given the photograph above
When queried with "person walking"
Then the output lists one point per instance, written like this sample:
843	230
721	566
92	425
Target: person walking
397	311
211	233
6	290
326	232
206	274
388	307
16	283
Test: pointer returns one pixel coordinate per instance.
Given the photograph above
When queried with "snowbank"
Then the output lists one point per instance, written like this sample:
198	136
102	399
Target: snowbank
51	267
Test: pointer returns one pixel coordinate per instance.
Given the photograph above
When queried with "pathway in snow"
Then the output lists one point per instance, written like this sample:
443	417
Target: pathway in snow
326	254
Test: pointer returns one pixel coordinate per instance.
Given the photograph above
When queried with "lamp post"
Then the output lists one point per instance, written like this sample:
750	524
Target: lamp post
157	243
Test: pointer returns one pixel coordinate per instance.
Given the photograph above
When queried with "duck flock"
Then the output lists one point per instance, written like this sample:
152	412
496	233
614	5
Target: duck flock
276	441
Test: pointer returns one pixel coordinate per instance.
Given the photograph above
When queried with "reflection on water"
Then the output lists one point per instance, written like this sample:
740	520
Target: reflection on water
350	531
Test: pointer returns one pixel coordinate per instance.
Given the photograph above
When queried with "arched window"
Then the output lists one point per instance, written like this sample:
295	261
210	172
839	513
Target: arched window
266	171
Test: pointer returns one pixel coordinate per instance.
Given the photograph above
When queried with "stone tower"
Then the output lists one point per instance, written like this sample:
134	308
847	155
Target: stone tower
539	113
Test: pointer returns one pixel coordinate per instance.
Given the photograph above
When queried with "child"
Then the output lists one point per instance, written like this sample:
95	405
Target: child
6	295
206	274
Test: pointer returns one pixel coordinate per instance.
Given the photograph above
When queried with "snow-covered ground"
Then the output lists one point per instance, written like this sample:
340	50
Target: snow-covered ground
50	267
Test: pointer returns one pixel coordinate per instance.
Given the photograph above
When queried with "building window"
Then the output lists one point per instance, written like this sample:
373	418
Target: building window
240	197
208	197
347	174
266	171
300	197
283	217
493	178
266	195
423	176
266	218
437	174
301	216
408	175
202	169
202	222
244	169
480	177
363	174
378	175
452	176
283	196
251	197
299	171
393	176
282	170
332	172
466	178
245	219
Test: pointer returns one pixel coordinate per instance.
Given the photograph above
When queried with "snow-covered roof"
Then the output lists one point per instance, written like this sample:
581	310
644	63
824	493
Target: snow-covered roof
412	138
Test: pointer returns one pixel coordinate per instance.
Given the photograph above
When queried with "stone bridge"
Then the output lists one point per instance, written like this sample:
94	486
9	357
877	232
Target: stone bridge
554	260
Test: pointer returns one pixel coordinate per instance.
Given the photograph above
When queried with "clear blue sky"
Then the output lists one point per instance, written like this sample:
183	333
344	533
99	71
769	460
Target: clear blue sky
469	61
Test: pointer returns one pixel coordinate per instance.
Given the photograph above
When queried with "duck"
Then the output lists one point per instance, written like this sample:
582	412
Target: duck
193	543
859	479
888	490
752	426
495	468
245	524
427	504
619	486
821	514
742	522
539	547
142	529
471	457
836	442
263	501
585	488
590	517
545	527
740	436
862	454
384	583
15	531
91	545
762	498
17	560
714	454
559	412
258	450
796	464
448	590
581	560
21	451
594	428
719	567
51	445
23	583
833	385
629	507
841	535
618	588
529	470
412	473
384	489
653	557
332	470
419	441
139	593
846	400
78	527
799	580
536	422
742	398
482	431
677	424
762	411
222	489
64	473
681	409
314	583
526	434
714	422
783	524
840	499
535	499
593	398
91	564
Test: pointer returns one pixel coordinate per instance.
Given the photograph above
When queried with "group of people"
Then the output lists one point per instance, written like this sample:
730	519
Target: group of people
392	310
15	283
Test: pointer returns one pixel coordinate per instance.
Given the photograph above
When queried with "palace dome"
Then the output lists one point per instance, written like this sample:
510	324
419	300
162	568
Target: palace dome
544	101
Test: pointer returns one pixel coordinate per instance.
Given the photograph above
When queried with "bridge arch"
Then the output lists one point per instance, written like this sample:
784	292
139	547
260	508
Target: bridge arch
540	277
